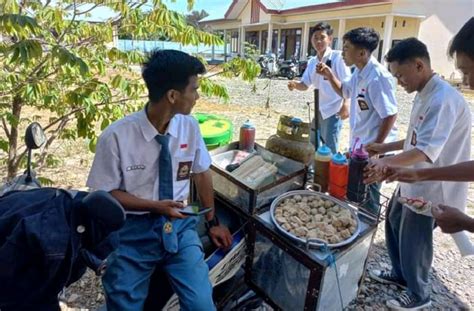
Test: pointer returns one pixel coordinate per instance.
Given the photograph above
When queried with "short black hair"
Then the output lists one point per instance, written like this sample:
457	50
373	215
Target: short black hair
363	37
463	41
323	26
407	50
169	69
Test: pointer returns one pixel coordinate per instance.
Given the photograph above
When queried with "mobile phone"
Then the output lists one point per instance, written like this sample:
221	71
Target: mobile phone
195	210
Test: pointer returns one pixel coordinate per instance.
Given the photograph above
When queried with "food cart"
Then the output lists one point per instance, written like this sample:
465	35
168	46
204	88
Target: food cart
288	272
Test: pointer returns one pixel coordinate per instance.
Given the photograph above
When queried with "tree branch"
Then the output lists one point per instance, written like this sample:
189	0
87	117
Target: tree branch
73	19
52	137
83	108
5	128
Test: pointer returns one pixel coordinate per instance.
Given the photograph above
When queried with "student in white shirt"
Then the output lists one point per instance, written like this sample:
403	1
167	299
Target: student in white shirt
145	161
332	107
439	134
372	92
450	219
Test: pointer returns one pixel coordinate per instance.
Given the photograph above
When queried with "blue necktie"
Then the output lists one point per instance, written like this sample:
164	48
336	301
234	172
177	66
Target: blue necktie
165	192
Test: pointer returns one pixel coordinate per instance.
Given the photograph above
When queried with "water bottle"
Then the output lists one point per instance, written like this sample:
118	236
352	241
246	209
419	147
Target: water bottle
356	189
321	167
338	174
247	137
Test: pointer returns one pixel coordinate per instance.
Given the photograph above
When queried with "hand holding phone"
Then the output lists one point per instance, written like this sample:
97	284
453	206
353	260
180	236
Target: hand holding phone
195	210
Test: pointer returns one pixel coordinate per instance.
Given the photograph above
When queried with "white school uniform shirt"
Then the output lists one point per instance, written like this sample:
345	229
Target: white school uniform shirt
329	101
440	127
127	155
372	94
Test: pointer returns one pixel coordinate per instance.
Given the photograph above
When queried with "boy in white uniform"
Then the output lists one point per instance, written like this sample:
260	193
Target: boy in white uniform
449	219
372	92
439	134
332	107
145	161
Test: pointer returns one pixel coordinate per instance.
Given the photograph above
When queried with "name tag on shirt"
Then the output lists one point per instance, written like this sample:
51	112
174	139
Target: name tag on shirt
184	170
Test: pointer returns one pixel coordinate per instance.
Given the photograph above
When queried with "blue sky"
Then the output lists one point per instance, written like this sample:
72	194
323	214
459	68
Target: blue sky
215	8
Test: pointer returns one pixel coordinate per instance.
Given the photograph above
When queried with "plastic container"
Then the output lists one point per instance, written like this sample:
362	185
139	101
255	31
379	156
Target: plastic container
215	130
321	167
247	137
338	176
292	140
356	189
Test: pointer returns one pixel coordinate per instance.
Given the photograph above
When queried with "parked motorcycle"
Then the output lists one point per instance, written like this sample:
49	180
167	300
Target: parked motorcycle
49	236
271	66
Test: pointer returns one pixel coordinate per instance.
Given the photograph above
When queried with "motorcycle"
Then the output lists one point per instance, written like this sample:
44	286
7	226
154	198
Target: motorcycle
271	66
289	68
49	236
38	262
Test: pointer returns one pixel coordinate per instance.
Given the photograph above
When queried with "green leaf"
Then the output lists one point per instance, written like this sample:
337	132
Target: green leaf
4	145
93	144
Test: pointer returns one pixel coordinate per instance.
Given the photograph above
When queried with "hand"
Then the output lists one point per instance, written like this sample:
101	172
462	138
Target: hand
220	236
344	112
374	171
169	208
450	219
375	149
324	70
291	85
402	174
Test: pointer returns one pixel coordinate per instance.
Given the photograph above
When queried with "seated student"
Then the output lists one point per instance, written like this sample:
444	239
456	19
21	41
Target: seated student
372	92
439	134
332	108
450	219
145	161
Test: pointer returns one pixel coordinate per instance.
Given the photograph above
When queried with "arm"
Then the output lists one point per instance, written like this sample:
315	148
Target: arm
345	110
376	170
326	72
205	191
385	128
297	85
343	73
133	203
106	174
452	220
459	172
220	235
374	149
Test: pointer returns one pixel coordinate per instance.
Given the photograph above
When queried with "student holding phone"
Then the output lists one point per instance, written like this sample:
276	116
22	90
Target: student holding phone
145	161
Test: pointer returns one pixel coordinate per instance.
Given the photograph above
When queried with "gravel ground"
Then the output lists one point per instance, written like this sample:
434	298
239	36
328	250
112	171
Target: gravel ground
451	277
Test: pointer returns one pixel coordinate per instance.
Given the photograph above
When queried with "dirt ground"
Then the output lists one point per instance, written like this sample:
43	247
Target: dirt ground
452	275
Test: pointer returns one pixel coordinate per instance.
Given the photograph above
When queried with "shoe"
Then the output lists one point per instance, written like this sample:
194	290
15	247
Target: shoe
386	277
407	301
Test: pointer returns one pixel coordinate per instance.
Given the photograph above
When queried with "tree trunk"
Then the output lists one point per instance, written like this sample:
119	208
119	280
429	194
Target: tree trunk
13	162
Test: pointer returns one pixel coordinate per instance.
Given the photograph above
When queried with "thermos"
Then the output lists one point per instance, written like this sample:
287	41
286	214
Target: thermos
321	167
356	189
247	137
338	174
